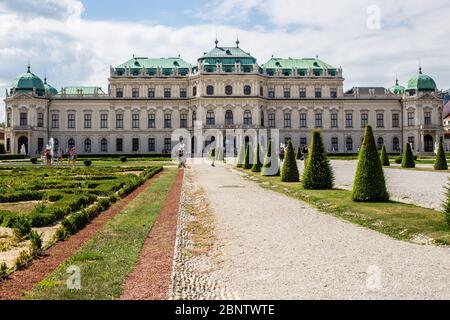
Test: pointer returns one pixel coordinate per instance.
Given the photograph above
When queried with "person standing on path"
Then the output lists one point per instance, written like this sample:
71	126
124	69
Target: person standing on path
282	155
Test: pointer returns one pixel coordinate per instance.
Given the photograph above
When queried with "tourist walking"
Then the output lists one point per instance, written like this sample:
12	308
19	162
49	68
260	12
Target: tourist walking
48	157
59	156
305	151
181	160
282	154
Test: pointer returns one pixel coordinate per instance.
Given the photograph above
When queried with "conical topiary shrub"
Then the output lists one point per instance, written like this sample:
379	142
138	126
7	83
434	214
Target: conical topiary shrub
240	158
318	174
257	165
247	164
447	207
290	173
270	166
298	155
384	157
370	184
441	160
408	157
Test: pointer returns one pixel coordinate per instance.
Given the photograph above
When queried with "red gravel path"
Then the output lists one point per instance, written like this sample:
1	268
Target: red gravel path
151	279
23	281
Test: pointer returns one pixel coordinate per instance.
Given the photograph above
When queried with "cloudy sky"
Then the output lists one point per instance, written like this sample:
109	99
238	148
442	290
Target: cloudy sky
74	42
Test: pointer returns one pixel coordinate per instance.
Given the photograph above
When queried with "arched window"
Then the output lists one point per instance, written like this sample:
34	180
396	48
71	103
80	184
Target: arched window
194	91
396	144
209	90
104	145
194	118
380	143
229	118
210	118
71	143
247	90
349	144
247	118
229	90
87	146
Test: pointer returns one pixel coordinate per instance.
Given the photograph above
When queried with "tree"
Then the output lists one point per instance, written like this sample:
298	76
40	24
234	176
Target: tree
369	184
408	157
384	157
318	174
257	161
290	173
441	160
241	156
270	166
299	154
247	164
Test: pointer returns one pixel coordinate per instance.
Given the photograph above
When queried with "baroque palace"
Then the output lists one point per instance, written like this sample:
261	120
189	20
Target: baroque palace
148	99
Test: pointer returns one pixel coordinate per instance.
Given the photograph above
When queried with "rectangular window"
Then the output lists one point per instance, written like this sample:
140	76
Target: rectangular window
427	118
119	145
333	93
167	93
303	121
119	121
395	120
104	121
135	92
135	121
71	121
271	123
167	144
151	93
380	120
151	121
55	121
302	93
334	144
318	93
151	145
183	120
334	120
183	93
23	119
135	144
87	121
287	92
364	119
119	93
318	121
271	92
349	120
411	119
287	120
167	121
303	142
40	120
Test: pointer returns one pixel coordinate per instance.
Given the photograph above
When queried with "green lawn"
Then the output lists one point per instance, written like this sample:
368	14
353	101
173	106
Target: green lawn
107	259
398	220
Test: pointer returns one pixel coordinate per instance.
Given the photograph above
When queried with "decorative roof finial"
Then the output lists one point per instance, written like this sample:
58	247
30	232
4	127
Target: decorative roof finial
237	41
217	41
420	66
396	79
29	66
45	78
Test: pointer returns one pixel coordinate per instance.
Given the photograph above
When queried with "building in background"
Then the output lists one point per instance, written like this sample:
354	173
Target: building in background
149	98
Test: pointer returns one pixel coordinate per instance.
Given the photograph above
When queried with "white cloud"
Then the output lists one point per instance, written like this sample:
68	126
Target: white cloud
74	51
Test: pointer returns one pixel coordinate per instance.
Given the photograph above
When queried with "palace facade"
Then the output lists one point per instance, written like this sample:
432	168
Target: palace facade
148	99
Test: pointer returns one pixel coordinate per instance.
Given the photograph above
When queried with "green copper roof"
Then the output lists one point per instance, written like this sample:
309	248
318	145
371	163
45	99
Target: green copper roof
147	63
83	90
227	53
397	89
290	63
28	82
421	82
51	91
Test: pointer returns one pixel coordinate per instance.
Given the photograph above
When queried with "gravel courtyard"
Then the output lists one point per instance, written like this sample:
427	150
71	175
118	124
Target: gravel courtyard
275	247
422	188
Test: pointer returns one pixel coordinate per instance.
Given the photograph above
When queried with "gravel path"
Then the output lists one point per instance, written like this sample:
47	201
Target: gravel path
422	188
275	247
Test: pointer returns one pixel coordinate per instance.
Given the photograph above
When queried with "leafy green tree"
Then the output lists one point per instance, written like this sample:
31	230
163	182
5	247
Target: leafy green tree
384	157
257	165
270	166
318	174
290	173
408	158
370	184
441	160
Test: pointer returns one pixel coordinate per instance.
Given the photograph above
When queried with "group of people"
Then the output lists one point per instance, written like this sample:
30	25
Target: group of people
48	156
305	151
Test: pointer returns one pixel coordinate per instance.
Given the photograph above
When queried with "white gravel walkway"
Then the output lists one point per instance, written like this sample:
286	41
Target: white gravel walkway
422	188
275	247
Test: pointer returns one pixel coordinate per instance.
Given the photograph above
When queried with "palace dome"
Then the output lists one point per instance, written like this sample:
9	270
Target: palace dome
28	82
48	88
421	82
397	89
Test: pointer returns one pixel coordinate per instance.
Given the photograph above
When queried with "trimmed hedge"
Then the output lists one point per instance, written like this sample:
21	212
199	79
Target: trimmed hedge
441	160
408	158
11	157
241	157
267	169
318	174
257	165
299	154
290	173
384	157
369	184
247	165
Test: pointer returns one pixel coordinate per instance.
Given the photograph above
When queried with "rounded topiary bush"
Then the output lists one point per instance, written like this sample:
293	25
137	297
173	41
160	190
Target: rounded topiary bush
87	163
441	160
398	160
247	164
384	157
369	184
408	157
290	173
257	165
270	166
33	160
123	159
318	174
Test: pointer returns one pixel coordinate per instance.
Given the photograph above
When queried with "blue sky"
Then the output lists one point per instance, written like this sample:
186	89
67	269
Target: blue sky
75	42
